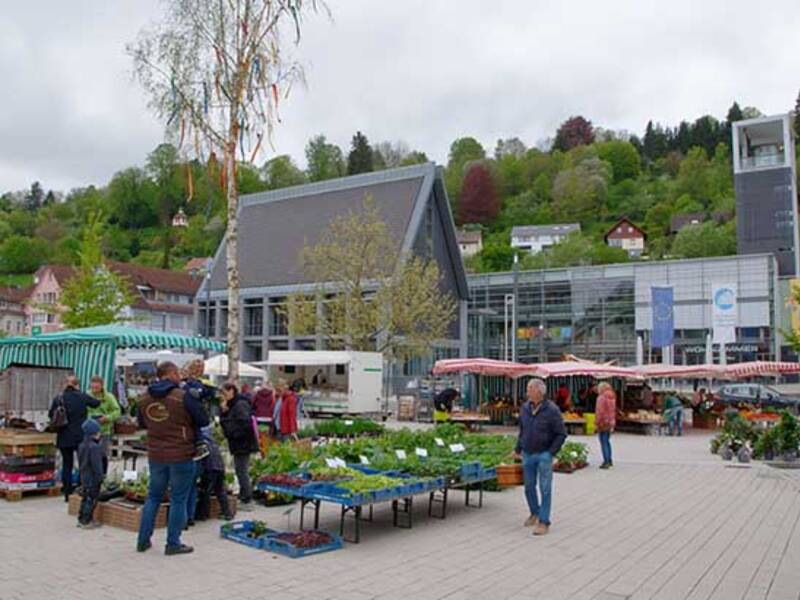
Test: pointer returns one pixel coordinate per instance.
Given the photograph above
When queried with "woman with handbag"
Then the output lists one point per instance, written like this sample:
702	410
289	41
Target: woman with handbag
67	413
237	425
606	420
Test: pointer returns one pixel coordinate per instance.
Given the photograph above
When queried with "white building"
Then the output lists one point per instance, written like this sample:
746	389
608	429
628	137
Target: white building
469	242
535	238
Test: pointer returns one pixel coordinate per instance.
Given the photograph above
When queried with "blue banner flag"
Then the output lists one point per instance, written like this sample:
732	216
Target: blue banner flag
663	317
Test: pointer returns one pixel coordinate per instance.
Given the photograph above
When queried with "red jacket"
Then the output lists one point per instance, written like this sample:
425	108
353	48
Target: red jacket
288	413
606	411
264	403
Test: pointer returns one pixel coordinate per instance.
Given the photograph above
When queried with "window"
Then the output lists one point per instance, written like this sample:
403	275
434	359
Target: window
630	229
340	369
177	322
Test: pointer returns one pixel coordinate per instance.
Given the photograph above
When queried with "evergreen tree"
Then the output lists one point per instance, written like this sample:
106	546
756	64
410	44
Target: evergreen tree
34	199
683	138
360	159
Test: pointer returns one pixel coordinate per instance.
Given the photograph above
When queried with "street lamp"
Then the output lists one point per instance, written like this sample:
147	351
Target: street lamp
208	299
514	319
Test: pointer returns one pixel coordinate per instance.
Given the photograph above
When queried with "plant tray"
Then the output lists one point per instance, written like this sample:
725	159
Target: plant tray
287	549
238	532
282	489
470	469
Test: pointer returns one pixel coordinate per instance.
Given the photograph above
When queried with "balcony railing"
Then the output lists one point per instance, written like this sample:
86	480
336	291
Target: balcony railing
764	160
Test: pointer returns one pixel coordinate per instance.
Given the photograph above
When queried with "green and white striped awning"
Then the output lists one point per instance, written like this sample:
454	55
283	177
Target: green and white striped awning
91	351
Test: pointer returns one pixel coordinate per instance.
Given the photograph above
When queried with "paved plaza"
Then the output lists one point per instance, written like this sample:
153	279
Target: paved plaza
670	521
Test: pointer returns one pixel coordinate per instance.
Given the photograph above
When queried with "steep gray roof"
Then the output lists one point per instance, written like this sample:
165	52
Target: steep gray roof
274	226
555	229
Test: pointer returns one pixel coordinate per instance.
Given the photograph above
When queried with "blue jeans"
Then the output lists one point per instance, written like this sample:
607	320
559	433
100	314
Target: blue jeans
538	466
676	421
179	477
191	499
605	446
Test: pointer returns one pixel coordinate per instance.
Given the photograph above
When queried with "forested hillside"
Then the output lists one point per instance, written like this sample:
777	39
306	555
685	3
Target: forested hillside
584	174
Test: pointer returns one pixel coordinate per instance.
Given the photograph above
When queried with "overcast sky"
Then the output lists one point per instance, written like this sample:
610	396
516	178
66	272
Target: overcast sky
422	71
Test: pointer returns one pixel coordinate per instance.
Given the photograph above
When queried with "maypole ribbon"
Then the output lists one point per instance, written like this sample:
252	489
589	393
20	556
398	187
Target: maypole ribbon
190	182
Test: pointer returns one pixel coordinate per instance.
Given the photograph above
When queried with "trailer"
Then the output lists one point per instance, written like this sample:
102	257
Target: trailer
333	382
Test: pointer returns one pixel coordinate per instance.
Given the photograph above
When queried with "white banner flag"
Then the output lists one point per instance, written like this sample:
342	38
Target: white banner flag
723	312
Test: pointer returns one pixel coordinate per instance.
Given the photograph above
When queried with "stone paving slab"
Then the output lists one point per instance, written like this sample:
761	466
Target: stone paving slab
670	521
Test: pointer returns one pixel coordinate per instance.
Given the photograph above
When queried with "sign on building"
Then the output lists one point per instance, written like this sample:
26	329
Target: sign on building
663	316
723	312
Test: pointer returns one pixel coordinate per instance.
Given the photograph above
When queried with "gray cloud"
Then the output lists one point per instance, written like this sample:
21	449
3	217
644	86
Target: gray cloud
423	71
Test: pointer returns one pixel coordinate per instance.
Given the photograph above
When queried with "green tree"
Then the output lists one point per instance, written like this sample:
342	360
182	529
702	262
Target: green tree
575	250
95	295
462	152
22	254
325	161
579	193
705	239
163	167
281	172
375	299
132	196
360	158
414	158
622	156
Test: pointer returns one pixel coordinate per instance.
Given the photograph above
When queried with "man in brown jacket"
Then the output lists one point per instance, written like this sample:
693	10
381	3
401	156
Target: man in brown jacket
171	417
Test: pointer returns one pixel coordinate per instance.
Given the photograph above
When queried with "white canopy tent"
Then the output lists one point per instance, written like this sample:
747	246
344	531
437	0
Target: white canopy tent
307	358
217	366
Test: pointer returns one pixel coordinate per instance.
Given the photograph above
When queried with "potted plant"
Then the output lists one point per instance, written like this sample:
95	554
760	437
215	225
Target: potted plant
766	446
788	436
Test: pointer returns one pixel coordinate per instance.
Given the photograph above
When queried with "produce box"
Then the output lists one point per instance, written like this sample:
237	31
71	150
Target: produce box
296	548
21	464
246	532
127	515
6	477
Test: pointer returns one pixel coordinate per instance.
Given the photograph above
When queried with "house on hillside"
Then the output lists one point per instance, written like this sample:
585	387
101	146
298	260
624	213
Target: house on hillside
275	225
626	235
163	299
469	242
12	310
678	222
535	238
197	266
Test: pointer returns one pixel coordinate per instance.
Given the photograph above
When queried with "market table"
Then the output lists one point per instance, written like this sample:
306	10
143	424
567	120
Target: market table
121	441
402	499
472	421
575	426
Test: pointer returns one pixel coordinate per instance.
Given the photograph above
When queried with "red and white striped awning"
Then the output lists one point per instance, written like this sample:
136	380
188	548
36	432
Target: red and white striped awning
481	366
571	368
658	370
761	367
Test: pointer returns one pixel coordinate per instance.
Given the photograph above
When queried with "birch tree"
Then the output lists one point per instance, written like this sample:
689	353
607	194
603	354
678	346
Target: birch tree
215	71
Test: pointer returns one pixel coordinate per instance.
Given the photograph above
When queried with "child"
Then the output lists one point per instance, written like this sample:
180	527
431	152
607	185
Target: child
200	391
90	462
212	480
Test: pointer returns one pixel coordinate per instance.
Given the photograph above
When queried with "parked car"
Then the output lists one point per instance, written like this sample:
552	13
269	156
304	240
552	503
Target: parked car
756	394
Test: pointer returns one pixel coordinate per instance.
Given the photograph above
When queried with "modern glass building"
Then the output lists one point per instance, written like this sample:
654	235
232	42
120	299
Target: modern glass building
604	312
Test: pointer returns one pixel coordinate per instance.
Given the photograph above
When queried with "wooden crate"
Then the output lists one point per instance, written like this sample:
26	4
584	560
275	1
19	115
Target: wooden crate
18	442
74	506
128	515
15	495
406	408
213	507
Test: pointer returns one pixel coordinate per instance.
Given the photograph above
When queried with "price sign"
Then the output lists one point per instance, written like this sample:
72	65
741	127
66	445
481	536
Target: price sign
364	459
331	462
422	452
439	442
129	476
457	448
401	454
340	462
348	423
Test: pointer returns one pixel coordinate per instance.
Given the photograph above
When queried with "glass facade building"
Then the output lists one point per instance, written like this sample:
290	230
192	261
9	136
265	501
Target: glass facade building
604	313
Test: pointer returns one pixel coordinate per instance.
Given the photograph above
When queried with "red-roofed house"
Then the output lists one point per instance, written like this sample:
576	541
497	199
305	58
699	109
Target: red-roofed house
12	310
163	299
626	235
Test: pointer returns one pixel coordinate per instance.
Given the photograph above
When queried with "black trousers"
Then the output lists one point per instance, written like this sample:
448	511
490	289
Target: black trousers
67	464
211	483
89	498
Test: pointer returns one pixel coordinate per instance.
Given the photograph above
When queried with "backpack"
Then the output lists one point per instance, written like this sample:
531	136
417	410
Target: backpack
58	420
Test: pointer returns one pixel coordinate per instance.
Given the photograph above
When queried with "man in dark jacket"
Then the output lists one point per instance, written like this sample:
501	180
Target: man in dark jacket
91	460
541	435
171	417
76	405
